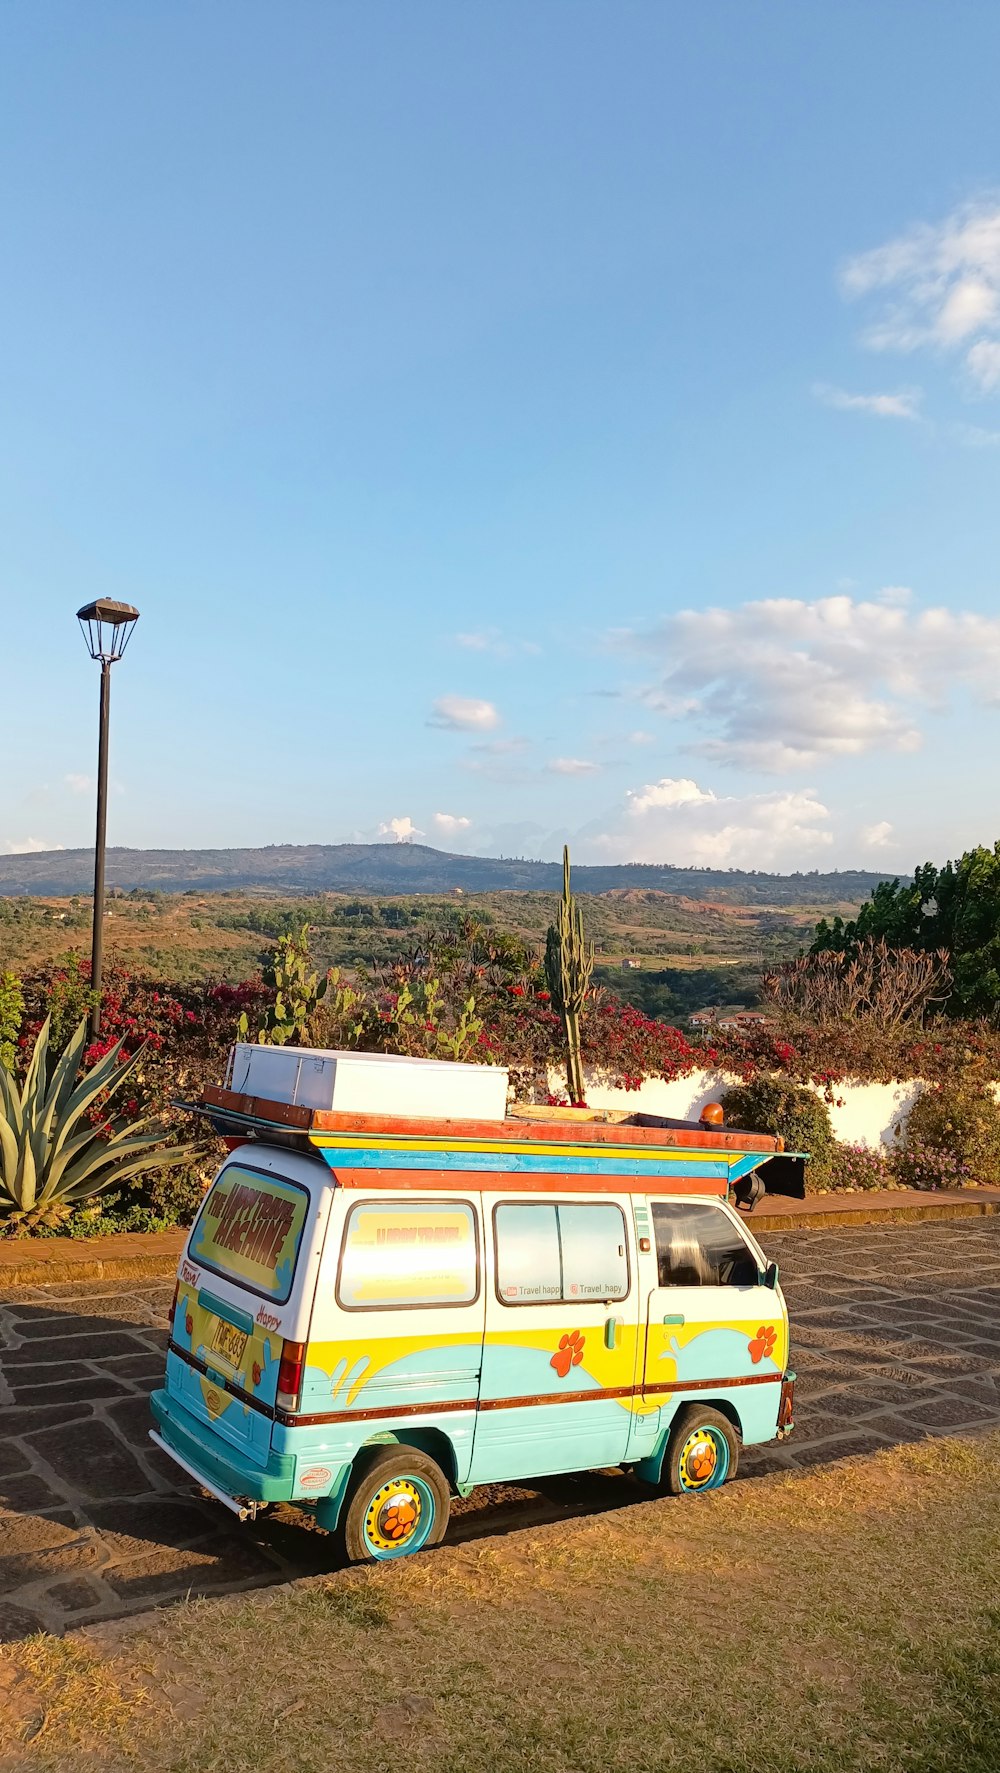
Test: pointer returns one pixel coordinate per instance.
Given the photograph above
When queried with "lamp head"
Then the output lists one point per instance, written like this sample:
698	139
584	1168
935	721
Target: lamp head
107	628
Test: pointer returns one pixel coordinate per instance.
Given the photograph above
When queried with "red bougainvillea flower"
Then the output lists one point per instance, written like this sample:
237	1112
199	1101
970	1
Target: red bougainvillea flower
761	1347
544	996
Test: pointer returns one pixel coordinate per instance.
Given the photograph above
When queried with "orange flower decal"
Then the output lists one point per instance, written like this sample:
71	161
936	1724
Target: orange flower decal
189	1323
761	1347
258	1373
569	1353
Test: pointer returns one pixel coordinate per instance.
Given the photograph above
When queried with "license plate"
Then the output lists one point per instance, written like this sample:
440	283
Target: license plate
229	1342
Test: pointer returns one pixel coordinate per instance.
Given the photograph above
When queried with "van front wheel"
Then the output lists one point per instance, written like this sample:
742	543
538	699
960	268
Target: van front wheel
703	1451
398	1503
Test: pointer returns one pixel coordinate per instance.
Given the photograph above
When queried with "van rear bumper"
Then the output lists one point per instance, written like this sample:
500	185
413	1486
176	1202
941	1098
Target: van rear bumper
206	1455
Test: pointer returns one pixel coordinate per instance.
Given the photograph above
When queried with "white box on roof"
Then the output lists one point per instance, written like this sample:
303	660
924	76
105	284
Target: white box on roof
368	1083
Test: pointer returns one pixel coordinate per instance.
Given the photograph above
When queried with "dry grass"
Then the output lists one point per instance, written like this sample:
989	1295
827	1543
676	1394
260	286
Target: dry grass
59	1697
797	1624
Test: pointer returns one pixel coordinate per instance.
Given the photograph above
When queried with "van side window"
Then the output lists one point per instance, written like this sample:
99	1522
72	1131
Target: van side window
548	1252
699	1246
423	1252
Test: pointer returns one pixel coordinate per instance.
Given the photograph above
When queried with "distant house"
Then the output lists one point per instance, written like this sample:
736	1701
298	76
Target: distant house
702	1018
630	966
744	1019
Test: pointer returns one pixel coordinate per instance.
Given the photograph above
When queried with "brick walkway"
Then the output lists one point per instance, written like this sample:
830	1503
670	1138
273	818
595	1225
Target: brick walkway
895	1336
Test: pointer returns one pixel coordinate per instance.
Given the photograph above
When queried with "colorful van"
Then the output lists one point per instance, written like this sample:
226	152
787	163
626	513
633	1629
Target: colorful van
376	1313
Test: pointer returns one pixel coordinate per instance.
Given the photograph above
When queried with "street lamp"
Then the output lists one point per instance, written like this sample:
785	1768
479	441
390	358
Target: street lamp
107	629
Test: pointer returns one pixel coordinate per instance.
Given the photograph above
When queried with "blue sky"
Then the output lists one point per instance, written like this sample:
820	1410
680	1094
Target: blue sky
512	422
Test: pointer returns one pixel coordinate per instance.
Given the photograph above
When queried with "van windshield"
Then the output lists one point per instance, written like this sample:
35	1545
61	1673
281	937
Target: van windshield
249	1230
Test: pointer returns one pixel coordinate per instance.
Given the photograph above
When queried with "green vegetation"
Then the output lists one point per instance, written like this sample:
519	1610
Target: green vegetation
61	1141
955	908
296	994
569	963
690	954
671	994
953	1133
801	1118
11	1011
838	1620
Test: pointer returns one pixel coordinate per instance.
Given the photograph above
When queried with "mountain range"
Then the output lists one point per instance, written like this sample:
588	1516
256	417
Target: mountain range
389	868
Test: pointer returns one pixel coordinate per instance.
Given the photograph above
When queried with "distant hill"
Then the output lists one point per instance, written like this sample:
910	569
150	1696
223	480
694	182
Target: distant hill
409	868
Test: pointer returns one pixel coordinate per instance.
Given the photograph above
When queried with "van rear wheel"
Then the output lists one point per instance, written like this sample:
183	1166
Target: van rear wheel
399	1502
703	1451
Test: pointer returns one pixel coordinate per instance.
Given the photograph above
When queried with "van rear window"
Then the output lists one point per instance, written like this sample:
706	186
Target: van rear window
249	1230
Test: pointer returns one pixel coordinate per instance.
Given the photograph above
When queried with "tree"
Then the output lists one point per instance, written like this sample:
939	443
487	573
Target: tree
956	908
869	982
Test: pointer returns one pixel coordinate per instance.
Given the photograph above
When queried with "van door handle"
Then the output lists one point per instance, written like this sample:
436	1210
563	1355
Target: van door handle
611	1331
674	1317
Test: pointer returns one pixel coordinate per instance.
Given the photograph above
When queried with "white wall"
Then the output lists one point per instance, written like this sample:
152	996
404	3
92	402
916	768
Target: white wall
869	1115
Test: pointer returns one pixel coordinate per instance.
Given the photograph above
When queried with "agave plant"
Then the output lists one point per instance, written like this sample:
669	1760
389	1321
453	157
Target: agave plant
52	1153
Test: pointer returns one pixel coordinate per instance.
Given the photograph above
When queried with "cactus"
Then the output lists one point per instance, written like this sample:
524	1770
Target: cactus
297	995
569	963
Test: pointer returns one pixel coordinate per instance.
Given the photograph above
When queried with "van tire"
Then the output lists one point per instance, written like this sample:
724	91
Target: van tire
702	1453
398	1503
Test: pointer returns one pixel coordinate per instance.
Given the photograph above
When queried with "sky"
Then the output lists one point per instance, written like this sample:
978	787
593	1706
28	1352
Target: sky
558	420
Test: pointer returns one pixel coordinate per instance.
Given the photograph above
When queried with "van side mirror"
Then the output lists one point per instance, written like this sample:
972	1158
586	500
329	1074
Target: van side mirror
770	1276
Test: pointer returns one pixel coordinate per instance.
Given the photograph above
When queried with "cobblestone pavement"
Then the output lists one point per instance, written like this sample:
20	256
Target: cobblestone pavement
895	1336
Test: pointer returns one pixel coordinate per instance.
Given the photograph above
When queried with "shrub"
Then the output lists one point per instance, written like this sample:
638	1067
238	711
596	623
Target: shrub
11	1011
64	1140
861	1168
919	1165
953	1131
772	1105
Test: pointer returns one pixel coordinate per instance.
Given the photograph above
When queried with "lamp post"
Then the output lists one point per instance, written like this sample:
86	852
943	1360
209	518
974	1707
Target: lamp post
107	628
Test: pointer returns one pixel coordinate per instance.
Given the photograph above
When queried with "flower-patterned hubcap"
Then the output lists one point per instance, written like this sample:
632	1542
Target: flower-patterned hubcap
393	1515
703	1462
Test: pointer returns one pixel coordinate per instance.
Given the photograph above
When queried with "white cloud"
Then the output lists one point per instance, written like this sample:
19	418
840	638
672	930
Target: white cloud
450	824
984	362
641	738
500	747
80	784
464	714
402	829
674	820
884	406
29	846
490	640
878	837
975	436
941	288
785	684
572	766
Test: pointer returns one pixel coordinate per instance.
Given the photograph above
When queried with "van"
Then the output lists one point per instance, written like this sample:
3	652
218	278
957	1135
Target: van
374	1313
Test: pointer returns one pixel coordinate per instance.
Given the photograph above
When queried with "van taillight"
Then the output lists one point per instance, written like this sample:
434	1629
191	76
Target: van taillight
290	1375
786	1406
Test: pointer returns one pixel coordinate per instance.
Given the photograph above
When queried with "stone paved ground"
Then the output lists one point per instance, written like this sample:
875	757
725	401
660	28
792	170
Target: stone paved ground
895	1336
